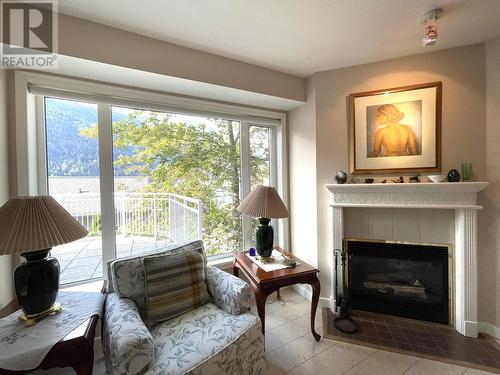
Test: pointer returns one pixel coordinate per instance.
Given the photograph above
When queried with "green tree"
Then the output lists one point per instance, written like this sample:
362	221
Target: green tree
196	160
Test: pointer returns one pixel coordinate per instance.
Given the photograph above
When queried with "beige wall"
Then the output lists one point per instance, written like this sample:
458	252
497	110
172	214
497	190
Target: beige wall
6	294
302	177
97	42
463	73
489	262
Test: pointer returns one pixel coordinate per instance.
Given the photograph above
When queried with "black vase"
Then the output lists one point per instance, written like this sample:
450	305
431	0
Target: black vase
264	238
341	177
453	175
36	282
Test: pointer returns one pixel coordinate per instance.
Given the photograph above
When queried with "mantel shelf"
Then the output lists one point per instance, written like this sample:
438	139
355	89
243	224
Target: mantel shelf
444	195
452	187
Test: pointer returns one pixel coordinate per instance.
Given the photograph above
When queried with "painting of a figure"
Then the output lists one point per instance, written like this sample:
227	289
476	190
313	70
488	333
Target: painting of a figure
394	129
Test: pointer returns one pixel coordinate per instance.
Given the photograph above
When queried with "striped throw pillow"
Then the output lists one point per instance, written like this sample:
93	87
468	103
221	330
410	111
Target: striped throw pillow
175	284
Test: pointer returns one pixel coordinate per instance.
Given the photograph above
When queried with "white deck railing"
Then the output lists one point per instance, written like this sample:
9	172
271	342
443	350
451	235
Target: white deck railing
159	215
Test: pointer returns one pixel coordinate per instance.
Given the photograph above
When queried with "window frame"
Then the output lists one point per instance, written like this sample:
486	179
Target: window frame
30	130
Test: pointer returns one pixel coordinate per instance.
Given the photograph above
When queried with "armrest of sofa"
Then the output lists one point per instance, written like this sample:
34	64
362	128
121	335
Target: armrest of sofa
127	342
227	291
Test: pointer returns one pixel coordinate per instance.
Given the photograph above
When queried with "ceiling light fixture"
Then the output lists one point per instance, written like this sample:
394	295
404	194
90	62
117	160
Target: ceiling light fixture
429	21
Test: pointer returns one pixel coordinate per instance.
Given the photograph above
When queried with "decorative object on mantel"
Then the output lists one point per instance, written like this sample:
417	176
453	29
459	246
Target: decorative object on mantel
369	180
437	177
341	177
354	179
384	181
31	226
400	180
396	130
415	179
466	171
453	176
264	203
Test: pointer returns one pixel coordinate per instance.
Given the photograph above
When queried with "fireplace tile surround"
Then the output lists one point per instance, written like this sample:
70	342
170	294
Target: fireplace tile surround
459	198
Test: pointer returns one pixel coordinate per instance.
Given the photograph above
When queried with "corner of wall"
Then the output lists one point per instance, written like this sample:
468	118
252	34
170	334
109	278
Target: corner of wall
6	292
302	176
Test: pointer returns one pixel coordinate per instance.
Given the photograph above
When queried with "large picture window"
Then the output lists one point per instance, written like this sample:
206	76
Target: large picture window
172	177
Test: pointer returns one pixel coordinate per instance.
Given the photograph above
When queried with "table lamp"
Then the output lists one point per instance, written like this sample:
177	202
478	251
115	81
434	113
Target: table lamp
264	203
31	226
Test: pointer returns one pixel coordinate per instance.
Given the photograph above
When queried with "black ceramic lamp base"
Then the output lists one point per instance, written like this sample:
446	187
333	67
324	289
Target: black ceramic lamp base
36	283
264	238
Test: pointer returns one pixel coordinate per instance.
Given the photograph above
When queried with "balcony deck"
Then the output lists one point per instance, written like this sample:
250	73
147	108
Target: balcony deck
82	260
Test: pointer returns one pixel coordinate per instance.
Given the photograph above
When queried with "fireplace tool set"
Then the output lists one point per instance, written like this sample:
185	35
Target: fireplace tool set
343	322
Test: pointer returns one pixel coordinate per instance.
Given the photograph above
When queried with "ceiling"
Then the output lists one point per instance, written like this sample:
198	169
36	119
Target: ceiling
297	36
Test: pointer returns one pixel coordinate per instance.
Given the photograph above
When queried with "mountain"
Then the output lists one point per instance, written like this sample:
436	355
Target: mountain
69	153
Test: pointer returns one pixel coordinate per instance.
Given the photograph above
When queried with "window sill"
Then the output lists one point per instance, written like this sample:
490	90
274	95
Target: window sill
96	284
223	263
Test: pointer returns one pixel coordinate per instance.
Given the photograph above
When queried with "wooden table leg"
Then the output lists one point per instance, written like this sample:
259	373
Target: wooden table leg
260	300
314	304
235	271
86	364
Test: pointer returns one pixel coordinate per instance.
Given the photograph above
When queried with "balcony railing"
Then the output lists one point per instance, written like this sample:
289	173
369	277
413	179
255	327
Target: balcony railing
164	216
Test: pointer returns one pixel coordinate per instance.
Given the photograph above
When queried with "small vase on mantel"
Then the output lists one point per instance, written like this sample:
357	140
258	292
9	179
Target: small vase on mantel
341	177
453	176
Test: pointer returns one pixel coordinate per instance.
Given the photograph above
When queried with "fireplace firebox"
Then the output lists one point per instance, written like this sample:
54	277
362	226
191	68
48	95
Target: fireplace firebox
402	279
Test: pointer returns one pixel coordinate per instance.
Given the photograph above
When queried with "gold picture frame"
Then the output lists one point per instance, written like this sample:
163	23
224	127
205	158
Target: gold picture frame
396	131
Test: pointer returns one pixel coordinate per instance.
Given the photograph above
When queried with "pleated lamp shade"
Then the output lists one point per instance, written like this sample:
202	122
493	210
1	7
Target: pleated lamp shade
264	201
36	223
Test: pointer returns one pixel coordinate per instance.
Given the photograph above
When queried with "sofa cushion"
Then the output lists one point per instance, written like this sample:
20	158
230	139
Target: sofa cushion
209	340
175	284
127	274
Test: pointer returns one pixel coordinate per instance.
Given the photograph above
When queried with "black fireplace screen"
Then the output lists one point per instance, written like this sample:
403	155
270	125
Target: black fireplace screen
399	279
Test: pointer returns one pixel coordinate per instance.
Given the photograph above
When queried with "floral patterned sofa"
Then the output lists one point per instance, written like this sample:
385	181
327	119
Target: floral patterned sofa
220	337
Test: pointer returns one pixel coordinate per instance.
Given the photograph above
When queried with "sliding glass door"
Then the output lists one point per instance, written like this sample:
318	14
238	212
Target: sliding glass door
73	179
176	179
139	179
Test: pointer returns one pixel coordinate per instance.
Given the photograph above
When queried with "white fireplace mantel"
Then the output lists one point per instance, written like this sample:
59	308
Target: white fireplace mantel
458	196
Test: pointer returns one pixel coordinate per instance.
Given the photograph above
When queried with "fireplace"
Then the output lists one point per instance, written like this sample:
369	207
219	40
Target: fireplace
403	279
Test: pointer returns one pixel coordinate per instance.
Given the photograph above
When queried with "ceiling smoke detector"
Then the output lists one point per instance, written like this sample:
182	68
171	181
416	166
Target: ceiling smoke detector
429	21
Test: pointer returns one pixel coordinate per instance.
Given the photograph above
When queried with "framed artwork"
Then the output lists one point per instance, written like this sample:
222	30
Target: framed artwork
396	130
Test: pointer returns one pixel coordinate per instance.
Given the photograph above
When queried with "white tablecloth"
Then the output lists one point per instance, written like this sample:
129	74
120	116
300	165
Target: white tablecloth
268	267
23	348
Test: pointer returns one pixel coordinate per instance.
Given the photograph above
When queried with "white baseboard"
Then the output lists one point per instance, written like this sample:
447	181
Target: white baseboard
303	290
306	292
324	302
490	329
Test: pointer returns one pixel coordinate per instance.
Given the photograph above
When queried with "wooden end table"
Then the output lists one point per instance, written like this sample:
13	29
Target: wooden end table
264	283
75	350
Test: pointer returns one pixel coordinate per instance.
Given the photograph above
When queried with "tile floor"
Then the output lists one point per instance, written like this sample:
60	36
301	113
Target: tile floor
291	349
